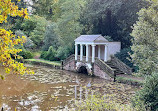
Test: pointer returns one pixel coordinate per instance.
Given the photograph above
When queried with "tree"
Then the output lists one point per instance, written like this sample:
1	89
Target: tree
29	43
8	41
68	23
50	38
37	35
146	99
43	8
111	17
145	42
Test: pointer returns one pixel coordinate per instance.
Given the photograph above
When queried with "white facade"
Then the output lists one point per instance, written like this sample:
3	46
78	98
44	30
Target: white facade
95	46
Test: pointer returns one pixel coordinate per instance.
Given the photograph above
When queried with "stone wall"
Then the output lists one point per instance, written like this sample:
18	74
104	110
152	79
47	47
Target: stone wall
70	66
100	73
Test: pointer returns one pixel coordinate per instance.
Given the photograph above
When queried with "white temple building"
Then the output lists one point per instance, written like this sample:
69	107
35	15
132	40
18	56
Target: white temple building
93	46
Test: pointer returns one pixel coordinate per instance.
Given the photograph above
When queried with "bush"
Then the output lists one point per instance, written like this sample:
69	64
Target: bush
148	96
29	43
64	52
26	54
49	55
102	103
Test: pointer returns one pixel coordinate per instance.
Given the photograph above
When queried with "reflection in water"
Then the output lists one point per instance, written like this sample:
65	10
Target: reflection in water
50	89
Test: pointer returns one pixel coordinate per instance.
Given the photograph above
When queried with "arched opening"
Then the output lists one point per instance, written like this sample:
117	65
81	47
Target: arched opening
83	70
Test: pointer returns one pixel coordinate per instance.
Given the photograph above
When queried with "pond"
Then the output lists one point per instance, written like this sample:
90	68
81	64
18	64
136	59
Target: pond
49	89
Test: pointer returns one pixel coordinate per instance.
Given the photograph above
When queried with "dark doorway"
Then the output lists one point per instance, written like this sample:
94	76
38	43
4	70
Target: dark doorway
83	70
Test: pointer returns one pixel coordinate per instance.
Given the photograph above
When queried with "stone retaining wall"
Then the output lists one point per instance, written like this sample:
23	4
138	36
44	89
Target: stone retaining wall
70	66
100	73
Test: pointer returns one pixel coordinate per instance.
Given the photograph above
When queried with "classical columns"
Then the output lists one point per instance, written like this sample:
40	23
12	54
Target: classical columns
93	53
99	51
106	53
87	52
76	51
81	52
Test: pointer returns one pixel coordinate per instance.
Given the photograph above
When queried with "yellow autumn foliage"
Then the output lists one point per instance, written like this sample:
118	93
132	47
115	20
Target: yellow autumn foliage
8	41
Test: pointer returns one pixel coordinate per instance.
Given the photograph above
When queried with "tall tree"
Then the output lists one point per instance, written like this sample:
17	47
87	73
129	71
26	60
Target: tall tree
37	35
43	8
68	23
50	38
145	42
111	17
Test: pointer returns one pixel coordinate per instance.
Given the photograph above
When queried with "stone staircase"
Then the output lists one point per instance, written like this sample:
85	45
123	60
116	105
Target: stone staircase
117	70
113	68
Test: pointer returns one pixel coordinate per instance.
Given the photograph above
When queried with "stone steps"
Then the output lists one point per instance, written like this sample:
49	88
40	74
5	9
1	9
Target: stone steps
117	70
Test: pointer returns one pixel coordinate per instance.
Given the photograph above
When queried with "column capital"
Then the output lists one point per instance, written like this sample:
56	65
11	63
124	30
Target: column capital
93	45
87	44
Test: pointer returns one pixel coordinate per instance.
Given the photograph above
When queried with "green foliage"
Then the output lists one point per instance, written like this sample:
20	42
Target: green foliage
108	38
129	81
68	23
124	56
29	43
111	17
43	8
37	35
102	103
148	96
50	37
43	62
34	28
25	25
64	52
49	55
145	44
26	54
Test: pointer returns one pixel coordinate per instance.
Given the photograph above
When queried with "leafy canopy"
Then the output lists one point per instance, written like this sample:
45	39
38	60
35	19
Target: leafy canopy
145	42
8	41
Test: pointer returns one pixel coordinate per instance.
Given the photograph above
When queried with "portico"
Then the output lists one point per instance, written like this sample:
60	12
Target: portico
92	46
91	51
95	55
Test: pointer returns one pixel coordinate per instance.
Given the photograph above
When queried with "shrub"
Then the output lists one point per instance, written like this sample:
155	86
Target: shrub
29	43
43	54
103	103
26	54
148	96
64	52
49	55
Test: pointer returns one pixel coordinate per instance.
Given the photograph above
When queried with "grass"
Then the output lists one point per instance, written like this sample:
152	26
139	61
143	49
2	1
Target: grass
57	63
130	81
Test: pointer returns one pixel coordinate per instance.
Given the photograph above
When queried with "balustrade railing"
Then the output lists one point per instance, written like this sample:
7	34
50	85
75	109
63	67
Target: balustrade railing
106	68
70	58
122	66
100	63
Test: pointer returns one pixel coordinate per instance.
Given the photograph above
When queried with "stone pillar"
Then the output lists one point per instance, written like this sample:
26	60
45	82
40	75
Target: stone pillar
76	52
106	53
87	52
99	51
81	52
93	53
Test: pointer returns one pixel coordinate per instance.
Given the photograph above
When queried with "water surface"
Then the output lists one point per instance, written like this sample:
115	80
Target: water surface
50	89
